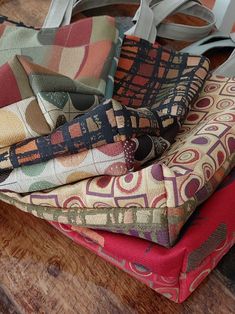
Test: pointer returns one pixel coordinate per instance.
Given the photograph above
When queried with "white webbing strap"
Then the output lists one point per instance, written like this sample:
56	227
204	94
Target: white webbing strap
148	18
224	11
225	18
68	13
59	13
144	26
181	31
147	22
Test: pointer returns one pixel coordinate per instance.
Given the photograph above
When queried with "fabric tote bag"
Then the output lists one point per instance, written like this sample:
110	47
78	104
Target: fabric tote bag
178	271
157	93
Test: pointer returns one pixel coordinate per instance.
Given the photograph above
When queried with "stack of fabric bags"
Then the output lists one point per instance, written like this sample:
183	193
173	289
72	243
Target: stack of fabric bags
117	140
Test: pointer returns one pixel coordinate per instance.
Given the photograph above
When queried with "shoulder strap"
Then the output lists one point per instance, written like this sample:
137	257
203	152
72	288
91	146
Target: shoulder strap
83	5
228	67
151	23
149	18
60	12
222	37
175	31
224	11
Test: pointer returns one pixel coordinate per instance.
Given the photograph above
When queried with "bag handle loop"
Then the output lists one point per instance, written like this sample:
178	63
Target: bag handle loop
149	18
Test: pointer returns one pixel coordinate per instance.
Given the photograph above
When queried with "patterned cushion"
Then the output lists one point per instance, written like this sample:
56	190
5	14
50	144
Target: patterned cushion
155	202
110	159
176	272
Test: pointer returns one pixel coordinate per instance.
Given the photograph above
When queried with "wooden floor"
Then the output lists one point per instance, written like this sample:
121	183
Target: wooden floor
42	271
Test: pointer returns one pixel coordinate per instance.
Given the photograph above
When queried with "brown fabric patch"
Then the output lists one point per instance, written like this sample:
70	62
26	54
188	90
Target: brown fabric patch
36	119
210	245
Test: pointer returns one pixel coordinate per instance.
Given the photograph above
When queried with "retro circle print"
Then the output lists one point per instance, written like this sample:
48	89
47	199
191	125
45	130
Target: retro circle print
188	156
204	103
190	187
130	183
73	201
228	117
140	270
225	104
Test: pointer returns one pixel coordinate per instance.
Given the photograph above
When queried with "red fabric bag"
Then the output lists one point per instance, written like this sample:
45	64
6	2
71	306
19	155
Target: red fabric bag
174	272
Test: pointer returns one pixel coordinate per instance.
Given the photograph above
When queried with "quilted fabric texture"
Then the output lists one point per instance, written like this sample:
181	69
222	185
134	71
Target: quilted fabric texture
59	75
155	202
176	272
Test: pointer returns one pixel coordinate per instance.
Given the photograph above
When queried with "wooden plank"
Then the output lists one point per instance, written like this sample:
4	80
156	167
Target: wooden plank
31	12
6	305
227	268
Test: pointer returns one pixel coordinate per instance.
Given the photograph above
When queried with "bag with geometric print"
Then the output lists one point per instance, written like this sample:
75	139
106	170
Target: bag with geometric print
138	163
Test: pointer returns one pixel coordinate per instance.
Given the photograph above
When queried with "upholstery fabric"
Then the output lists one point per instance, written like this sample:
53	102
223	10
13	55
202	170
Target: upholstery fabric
104	160
155	202
153	76
50	76
111	159
173	81
176	272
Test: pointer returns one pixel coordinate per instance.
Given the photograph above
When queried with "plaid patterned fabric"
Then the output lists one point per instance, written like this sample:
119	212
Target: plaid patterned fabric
167	82
108	123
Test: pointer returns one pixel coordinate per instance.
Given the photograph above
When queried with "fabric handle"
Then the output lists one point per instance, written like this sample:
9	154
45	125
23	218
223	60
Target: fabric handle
148	18
59	13
180	31
147	21
224	11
